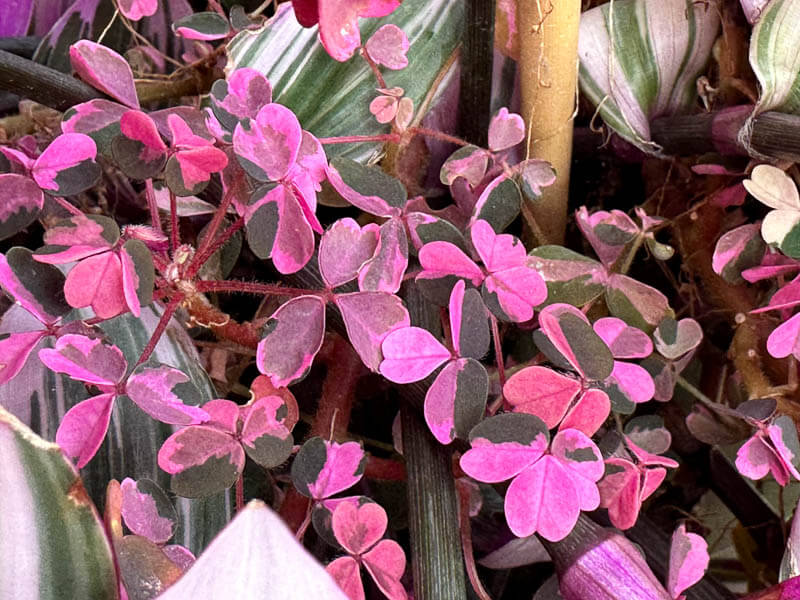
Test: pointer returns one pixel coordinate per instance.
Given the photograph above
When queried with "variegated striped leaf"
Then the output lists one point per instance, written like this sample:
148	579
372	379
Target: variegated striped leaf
52	542
40	398
332	98
639	60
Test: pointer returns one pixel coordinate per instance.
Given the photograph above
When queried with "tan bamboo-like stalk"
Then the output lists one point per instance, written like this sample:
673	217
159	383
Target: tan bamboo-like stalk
548	34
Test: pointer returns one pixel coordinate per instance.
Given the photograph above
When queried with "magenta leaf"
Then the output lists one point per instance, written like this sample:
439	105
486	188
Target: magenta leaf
411	354
136	9
621	492
757	457
384	271
576	450
737	250
15	348
147	511
469	326
38	287
469	162
623	340
635	303
388	47
503	446
424	228
358	528
442	264
97	281
139	151
783	435
166	394
338	23
344	247
99	119
76	238
239	97
607	232
499	203
456	400
292	337
15	18
386	563
632	382
674	339
22	202
322	468
322	515
84	426
188	171
367	188
534	174
104	69
277	228
85	359
785	339
267	146
67	166
589	413
688	560
182	557
346	573
204	26
264	437
369	317
505	130
542	392
384	108
138	273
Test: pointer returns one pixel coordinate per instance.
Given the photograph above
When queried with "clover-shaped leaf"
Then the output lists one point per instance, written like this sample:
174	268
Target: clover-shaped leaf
67	165
322	468
105	70
388	47
688	560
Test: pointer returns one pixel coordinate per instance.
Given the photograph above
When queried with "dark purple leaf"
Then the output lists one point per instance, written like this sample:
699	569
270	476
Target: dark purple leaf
499	203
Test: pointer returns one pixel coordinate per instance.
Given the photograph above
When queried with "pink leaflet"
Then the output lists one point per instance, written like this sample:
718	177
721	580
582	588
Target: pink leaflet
136	125
267	146
197	164
384	271
633	381
623	340
182	557
105	70
369	317
248	91
92	116
579	453
491	463
66	151
261	420
732	244
388	47
151	389
81	235
294	336
518	291
383	108
785	339
14	352
338	23
454	310
130	282
688	561
386	562
756	458
375	205
344	247
542	392
785	446
306	176
85	359
772	265
84	426
223	415
22	201
357	529
14	287
411	354
588	413
439	259
606	251
505	130
688	336
549	318
620	493
136	9
497	252
97	281
342	469
456	400
471	165
194	445
347	575
141	516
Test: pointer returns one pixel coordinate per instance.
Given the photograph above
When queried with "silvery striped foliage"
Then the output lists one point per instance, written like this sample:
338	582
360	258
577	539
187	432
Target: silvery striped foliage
639	59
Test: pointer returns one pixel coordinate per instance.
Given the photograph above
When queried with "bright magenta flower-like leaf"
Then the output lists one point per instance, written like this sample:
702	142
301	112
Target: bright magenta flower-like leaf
139	151
162	392
358	529
322	468
773	448
86	359
193	160
505	130
105	70
293	336
67	165
411	354
388	47
240	96
267	146
688	560
785	339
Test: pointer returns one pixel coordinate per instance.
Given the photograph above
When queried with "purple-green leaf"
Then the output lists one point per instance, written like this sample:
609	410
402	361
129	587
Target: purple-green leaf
344	247
322	468
166	394
22	202
367	188
105	70
456	400
67	165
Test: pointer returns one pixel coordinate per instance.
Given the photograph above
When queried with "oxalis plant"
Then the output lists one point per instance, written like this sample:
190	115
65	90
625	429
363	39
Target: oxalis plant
275	315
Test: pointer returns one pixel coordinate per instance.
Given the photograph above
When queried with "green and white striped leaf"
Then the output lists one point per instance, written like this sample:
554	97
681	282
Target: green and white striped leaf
775	58
40	398
639	59
332	98
52	542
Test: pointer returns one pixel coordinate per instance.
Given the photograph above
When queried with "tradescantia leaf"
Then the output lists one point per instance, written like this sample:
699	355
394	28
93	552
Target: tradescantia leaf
433	29
52	542
640	60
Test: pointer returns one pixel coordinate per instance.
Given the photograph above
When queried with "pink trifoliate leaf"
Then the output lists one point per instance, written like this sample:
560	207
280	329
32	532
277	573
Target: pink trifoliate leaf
497	252
456	401
204	26
146	510
411	354
620	492
344	247
386	562
22	202
357	529
384	108
785	339
737	250
190	167
85	359
633	381
688	560
512	294
37	287
268	145
674	339
67	166
322	468
14	351
160	392
384	271
542	392
264	436
469	325
81	235
588	413
623	340
338	23
505	130
469	162
239	97
756	458
97	282
441	259
293	336
388	47
369	317
84	426
367	188
504	445
347	575
105	70
607	232
136	9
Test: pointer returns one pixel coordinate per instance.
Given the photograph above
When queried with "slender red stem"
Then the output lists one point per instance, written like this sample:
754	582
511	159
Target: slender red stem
159	330
354	139
375	70
466	541
150	194
202	256
216	221
174	237
439	135
66	205
247	287
239	492
304	525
